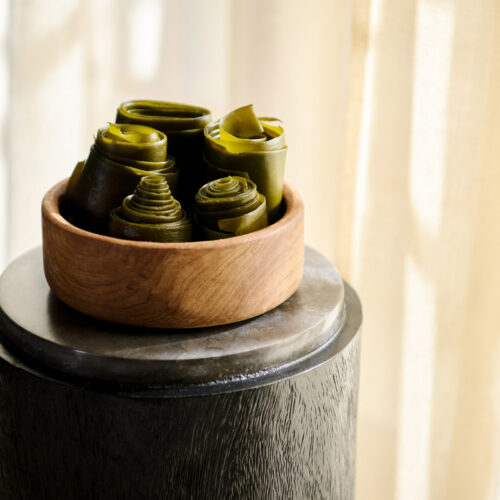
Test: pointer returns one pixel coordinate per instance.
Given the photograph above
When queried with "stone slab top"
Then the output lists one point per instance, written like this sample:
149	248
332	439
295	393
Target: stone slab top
38	326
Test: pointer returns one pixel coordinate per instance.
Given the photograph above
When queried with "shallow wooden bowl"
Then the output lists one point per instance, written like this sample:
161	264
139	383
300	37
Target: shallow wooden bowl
173	285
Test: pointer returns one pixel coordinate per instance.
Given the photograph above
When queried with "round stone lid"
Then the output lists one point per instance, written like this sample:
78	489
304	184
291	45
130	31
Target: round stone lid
35	324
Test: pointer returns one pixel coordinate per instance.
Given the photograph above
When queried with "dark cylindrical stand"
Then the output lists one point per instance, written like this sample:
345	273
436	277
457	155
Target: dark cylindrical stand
264	409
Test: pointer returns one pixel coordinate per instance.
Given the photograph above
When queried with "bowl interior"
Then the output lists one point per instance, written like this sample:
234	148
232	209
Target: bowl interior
53	209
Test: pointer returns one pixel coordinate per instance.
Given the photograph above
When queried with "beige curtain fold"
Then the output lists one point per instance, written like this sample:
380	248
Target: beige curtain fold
392	117
419	235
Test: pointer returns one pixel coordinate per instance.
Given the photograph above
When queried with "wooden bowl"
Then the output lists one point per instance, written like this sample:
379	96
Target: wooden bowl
173	285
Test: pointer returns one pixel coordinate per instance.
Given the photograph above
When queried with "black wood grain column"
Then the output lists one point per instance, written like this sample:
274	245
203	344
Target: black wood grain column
264	409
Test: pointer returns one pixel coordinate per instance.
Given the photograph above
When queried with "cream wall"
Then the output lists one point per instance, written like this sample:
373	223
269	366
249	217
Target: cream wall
74	61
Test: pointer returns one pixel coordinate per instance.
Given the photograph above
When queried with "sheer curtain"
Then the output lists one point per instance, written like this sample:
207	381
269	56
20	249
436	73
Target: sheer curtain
392	116
419	236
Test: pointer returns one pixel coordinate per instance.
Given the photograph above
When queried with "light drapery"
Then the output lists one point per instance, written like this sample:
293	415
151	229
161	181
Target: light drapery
419	237
392	115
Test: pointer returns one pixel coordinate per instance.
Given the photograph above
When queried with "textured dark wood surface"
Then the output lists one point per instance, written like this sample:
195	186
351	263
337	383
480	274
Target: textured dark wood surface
287	432
290	440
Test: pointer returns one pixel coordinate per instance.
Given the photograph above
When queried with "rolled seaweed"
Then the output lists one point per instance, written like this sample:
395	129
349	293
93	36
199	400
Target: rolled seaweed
243	145
183	124
151	214
120	156
230	206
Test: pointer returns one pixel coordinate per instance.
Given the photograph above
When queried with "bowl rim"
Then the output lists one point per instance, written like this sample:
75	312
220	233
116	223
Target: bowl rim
51	212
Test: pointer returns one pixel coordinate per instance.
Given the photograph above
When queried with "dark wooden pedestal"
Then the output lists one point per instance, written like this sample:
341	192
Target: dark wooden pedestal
263	409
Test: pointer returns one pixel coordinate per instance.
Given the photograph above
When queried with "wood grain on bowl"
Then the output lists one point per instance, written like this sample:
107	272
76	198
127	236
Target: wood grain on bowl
173	285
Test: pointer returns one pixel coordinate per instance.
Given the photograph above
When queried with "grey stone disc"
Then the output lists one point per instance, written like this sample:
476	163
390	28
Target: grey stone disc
39	326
